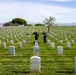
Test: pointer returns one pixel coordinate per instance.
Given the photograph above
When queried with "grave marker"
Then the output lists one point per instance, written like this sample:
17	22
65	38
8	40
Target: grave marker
20	45
60	50
12	50
68	45
35	64
36	50
52	45
3	45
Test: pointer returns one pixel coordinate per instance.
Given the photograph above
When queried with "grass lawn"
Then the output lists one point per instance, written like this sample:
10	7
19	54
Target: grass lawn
51	62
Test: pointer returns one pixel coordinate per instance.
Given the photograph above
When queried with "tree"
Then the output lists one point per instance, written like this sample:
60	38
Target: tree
39	24
8	24
19	21
29	24
49	22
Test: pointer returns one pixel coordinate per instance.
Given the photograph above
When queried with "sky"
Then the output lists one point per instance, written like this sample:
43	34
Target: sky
35	11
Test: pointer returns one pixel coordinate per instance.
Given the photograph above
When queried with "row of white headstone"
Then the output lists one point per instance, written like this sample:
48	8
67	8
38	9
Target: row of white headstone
13	35
68	45
3	44
35	49
60	48
61	41
35	61
12	48
60	33
60	52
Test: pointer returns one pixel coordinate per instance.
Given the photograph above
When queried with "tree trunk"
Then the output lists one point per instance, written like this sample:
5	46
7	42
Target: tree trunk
49	28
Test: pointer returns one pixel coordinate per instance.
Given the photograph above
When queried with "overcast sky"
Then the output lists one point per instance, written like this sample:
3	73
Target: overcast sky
37	10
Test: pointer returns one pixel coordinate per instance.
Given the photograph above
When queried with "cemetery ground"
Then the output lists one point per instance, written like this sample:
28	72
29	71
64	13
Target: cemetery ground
51	62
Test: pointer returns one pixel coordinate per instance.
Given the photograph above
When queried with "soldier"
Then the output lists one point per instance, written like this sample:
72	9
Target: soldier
44	36
36	35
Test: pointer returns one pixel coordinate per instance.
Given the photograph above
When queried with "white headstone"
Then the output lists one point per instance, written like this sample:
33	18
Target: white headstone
11	42
3	45
35	64
56	39
48	41
75	64
61	41
60	50
66	39
52	45
20	45
69	37
24	42
36	50
0	42
12	50
73	41
36	42
68	45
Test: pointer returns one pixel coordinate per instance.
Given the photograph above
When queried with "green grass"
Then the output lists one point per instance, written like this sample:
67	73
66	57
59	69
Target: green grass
51	62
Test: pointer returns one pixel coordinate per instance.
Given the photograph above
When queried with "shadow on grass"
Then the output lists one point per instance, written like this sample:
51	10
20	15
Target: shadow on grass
21	72
64	72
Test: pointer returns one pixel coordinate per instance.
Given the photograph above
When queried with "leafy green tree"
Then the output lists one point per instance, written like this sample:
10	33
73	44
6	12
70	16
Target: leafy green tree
39	24
8	24
19	21
49	22
29	24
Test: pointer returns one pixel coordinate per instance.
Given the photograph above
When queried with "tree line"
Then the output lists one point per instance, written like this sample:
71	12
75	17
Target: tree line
19	21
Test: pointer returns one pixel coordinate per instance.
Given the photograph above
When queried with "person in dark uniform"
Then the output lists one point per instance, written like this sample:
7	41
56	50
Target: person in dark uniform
36	36
44	36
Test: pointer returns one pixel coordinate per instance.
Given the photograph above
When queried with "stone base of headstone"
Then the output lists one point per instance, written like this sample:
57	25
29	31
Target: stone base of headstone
35	64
